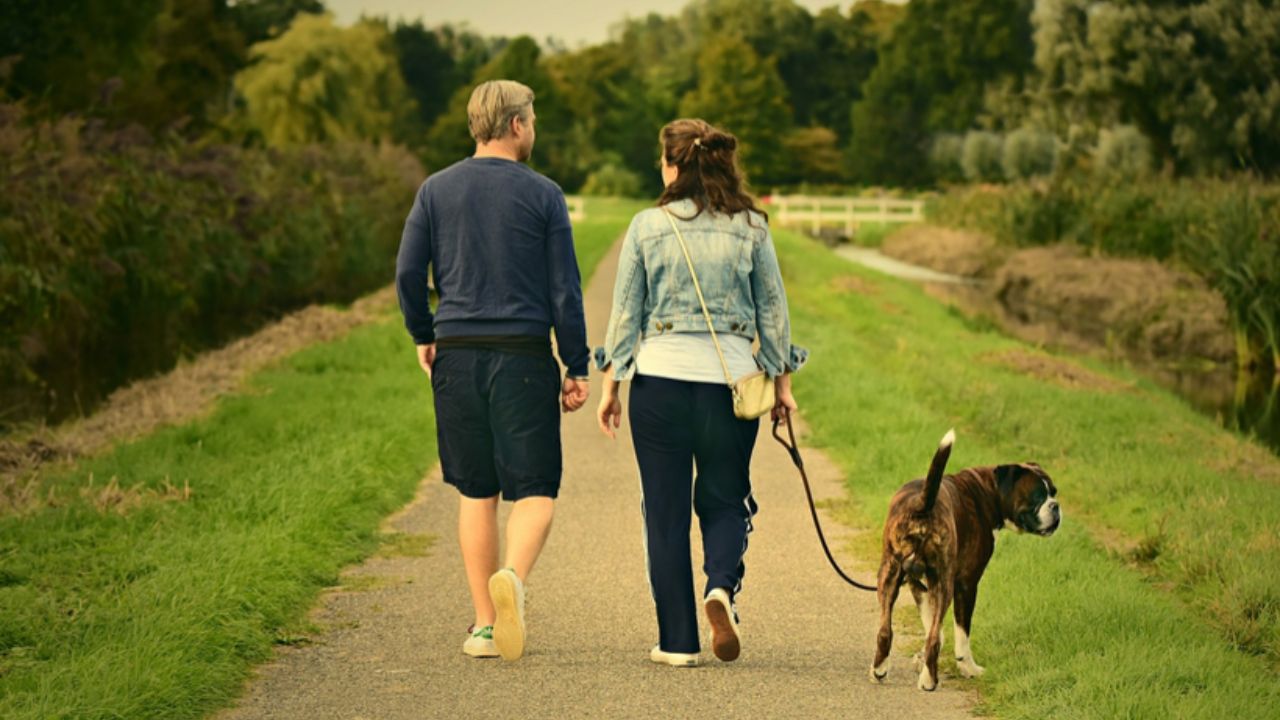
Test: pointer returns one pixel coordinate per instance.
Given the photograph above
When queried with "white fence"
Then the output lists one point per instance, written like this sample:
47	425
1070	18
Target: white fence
846	211
577	207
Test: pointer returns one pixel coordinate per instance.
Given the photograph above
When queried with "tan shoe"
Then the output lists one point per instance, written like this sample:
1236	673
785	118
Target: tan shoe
507	593
662	657
726	639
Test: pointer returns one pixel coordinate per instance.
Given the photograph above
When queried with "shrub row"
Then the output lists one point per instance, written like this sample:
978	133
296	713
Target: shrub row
1226	230
120	253
1120	153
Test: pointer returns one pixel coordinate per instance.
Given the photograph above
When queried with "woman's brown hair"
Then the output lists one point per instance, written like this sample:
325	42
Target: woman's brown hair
707	160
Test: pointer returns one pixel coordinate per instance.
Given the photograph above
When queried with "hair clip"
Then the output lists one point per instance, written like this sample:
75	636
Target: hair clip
697	142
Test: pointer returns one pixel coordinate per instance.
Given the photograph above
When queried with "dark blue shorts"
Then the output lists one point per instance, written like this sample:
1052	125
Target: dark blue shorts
498	422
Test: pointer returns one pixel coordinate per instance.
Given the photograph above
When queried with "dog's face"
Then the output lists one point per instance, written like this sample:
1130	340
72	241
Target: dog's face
1029	498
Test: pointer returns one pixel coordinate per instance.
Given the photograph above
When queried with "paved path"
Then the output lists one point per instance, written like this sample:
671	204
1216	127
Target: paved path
395	651
877	260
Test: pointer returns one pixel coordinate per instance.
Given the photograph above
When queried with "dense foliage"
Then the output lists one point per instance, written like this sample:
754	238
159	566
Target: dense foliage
119	253
862	95
1040	93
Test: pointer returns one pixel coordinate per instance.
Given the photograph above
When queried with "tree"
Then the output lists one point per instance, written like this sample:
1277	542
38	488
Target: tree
611	105
779	31
844	56
194	52
428	69
435	63
814	155
69	50
878	16
933	76
1029	152
664	53
262	20
556	150
1197	78
318	82
742	93
152	62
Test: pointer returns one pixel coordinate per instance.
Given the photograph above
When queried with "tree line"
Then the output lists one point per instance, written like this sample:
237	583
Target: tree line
879	94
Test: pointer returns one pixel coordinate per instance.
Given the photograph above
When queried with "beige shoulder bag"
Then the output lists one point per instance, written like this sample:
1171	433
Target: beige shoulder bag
753	393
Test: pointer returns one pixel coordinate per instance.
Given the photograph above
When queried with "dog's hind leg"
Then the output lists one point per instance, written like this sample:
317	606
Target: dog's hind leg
921	596
890	582
966	598
939	601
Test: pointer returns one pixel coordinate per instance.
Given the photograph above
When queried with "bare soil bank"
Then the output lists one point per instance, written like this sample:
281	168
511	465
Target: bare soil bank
1134	307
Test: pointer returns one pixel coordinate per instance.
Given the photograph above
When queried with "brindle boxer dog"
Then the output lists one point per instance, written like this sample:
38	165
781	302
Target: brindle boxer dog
938	537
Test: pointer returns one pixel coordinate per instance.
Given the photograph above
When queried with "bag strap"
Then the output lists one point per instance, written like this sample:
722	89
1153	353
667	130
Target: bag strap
728	378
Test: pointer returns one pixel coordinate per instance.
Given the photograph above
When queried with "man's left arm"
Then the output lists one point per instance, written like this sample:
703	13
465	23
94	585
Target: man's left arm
566	301
412	281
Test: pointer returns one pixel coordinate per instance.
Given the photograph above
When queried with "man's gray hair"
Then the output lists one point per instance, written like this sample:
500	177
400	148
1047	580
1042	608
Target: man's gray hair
492	106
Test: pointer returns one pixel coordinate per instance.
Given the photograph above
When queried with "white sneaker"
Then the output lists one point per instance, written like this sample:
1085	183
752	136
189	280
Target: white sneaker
479	642
661	657
507	593
726	639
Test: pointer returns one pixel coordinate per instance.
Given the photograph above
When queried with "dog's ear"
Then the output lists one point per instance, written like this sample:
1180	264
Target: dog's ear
1006	476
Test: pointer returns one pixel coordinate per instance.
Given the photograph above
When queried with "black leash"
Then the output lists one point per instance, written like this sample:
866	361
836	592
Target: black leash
794	451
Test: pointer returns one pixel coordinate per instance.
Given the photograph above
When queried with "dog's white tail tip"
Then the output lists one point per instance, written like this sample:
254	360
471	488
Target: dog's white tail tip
949	439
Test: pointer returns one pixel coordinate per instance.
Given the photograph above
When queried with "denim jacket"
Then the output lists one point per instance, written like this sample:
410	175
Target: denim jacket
737	267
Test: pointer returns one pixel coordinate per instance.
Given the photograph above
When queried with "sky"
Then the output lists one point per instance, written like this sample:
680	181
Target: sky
574	22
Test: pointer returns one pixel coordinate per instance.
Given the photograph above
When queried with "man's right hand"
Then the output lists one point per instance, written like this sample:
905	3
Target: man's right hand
427	357
573	394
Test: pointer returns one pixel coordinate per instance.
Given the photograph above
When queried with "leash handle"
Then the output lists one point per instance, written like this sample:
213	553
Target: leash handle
794	451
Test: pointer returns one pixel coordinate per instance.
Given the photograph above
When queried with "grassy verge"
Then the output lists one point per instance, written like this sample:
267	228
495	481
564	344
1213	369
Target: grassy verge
606	219
1154	599
159	572
872	234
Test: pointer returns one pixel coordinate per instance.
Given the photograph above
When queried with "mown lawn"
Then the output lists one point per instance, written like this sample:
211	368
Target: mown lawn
161	571
1160	595
604	221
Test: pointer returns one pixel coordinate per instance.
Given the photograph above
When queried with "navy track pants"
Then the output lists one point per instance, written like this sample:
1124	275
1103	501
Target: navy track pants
677	425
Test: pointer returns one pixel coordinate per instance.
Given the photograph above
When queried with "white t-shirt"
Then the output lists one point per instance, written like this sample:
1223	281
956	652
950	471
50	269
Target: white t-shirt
692	357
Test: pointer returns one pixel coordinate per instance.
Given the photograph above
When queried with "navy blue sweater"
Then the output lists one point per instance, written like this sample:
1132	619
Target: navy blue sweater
497	238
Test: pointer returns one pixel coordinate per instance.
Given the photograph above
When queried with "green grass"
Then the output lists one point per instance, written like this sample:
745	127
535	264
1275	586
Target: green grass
872	234
606	219
161	610
1159	596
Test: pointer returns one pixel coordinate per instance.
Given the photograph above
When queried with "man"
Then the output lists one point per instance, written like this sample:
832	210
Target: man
497	237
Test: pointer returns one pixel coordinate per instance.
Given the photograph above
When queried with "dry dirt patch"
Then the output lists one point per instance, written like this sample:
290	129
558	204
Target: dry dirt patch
1139	305
854	284
1059	294
1235	455
957	252
1055	370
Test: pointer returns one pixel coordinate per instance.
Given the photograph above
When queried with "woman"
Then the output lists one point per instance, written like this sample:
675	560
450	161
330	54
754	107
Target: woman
681	407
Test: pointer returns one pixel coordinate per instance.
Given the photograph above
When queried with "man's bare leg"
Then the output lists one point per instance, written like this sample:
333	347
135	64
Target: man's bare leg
527	530
478	538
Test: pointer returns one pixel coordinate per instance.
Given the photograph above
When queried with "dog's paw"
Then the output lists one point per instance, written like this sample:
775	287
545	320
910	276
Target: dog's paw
968	668
927	681
877	674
